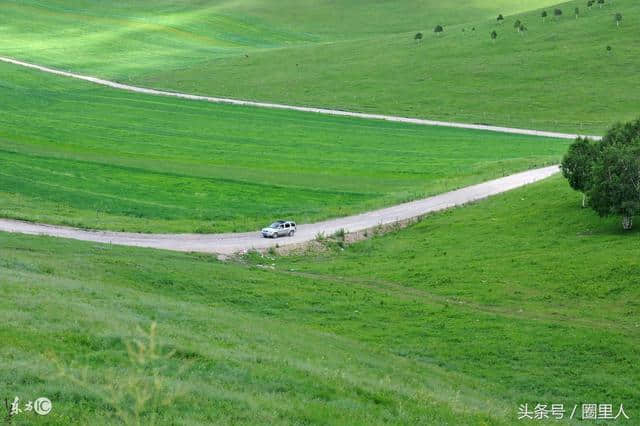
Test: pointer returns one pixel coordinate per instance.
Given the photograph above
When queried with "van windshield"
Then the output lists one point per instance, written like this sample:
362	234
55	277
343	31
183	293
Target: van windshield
275	225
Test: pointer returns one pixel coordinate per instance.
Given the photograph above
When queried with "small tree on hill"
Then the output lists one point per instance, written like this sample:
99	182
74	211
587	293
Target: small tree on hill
517	24
618	18
522	29
577	12
544	16
557	12
590	4
500	19
577	165
438	30
418	37
600	3
609	49
494	36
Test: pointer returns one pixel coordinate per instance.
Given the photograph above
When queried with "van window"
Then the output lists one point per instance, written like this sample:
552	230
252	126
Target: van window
286	225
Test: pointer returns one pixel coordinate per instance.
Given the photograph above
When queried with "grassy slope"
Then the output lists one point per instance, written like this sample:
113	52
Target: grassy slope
521	298
551	286
115	39
89	156
558	76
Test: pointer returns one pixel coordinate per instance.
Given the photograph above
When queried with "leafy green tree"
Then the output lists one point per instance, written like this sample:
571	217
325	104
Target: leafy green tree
609	49
522	29
494	36
557	12
622	133
500	19
577	12
600	3
590	4
438	30
577	165
618	18
615	189
544	15
418	37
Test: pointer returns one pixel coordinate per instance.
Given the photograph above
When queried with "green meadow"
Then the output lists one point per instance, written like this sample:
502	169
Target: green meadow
79	154
456	320
556	76
524	297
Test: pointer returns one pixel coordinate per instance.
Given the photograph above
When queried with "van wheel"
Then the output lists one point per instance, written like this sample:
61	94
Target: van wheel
291	233
275	235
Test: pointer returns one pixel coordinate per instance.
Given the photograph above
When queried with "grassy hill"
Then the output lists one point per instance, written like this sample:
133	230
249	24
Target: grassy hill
457	320
361	56
79	154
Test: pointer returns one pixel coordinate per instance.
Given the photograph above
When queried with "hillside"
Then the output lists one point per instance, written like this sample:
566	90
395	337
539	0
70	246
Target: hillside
457	320
556	76
79	154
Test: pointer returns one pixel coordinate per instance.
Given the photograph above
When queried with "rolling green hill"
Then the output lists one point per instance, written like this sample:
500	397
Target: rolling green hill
80	154
360	56
525	297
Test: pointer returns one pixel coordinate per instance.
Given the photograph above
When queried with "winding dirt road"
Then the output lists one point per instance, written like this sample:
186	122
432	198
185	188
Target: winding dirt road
238	242
324	111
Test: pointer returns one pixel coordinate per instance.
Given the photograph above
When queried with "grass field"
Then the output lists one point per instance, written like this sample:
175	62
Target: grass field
79	154
362	58
521	298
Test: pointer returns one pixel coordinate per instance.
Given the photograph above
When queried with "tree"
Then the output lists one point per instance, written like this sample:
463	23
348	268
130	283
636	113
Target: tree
609	49
418	37
622	133
618	18
577	165
557	12
522	29
615	189
500	19
494	36
600	3
438	29
517	25
544	16
590	4
577	12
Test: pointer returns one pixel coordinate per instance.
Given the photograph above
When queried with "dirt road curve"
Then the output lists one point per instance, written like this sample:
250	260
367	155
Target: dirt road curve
419	121
233	243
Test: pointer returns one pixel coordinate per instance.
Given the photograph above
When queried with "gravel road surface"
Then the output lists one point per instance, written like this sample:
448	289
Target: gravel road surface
239	242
